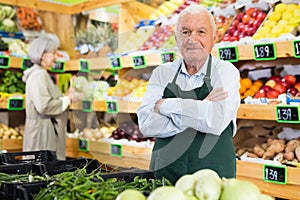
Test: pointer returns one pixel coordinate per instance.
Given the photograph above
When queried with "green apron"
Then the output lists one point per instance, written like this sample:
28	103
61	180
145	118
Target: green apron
191	150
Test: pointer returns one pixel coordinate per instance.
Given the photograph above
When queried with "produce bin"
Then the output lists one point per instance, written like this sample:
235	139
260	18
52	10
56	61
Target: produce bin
61	166
22	168
28	157
129	175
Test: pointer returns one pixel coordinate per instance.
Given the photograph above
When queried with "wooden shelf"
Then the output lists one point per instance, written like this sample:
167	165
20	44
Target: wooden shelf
253	172
66	9
11	145
257	112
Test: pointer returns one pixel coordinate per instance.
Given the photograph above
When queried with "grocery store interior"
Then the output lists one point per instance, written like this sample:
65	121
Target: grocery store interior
109	50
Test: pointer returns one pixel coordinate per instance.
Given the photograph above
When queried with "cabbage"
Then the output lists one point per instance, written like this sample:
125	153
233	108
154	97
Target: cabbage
167	193
131	194
208	185
79	82
238	189
102	86
186	183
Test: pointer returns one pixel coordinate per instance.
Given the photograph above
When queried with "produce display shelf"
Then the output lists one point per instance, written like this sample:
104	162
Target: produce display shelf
253	172
72	149
66	9
11	145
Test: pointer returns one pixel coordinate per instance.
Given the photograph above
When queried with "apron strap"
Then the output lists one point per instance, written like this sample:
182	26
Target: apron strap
207	79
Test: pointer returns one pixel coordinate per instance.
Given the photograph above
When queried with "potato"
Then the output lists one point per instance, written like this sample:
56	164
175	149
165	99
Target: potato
251	155
291	145
297	153
277	147
289	156
269	154
258	150
279	157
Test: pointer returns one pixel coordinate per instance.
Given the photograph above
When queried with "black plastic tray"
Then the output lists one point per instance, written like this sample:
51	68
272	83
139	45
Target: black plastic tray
22	168
52	168
28	157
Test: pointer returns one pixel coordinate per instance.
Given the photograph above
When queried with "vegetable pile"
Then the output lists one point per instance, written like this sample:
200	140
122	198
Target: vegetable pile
7	24
11	82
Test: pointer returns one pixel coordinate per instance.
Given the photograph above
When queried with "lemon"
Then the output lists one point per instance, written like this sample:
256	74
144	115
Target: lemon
281	7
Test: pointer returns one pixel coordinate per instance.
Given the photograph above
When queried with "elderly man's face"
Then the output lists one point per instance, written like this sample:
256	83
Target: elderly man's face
195	36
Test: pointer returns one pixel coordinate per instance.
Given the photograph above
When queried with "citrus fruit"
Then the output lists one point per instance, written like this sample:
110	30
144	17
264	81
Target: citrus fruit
246	82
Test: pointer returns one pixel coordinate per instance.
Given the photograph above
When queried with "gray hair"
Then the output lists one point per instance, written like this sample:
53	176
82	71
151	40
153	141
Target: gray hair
196	9
39	46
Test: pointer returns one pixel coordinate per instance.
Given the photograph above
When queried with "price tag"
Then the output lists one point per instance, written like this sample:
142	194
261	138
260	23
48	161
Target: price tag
115	63
116	150
84	65
87	106
83	145
58	67
229	53
139	62
15	104
287	114
275	174
296	47
265	51
26	63
4	61
168	57
112	107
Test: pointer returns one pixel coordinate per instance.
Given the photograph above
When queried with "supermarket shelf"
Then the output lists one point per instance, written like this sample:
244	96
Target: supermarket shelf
60	8
11	145
257	112
253	172
72	150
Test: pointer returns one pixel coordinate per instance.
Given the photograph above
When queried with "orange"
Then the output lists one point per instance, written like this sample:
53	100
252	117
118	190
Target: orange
250	93
259	83
246	82
242	89
254	88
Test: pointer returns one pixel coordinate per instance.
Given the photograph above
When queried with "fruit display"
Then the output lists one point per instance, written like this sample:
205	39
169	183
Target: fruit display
284	19
158	37
7	132
166	9
249	87
277	85
127	86
7	15
136	39
29	19
203	184
244	24
222	23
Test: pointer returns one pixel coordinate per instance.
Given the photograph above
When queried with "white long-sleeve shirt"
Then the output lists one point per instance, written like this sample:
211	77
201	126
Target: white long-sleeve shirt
177	114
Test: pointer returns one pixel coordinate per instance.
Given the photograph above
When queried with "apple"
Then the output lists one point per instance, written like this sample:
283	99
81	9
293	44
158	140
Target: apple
293	91
271	83
265	88
246	19
276	78
272	94
285	83
297	86
291	79
239	17
241	26
280	88
260	94
250	11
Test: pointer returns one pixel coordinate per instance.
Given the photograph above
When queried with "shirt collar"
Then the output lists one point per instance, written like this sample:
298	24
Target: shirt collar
201	72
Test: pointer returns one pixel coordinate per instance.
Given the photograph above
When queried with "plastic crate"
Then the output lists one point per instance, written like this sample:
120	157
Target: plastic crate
61	166
129	175
28	157
22	168
20	191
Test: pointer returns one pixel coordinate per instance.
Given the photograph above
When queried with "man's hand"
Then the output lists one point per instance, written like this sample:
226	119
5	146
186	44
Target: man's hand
157	105
217	95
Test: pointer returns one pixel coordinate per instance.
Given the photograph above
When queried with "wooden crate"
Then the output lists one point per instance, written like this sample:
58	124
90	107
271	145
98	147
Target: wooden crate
253	172
132	156
72	150
11	145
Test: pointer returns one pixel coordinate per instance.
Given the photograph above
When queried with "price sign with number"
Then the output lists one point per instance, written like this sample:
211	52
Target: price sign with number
296	47
139	62
229	54
115	63
87	106
112	107
265	51
287	114
4	61
84	65
58	67
168	57
116	150
275	174
15	104
83	145
26	63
